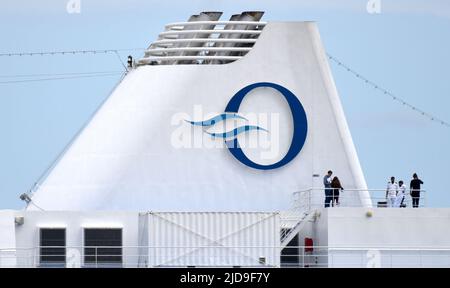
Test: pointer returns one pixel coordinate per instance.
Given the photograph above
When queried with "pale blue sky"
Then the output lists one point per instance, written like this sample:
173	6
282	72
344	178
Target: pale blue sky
405	49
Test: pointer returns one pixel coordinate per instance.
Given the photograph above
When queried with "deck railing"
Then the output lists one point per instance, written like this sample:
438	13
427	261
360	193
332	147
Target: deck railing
313	198
227	256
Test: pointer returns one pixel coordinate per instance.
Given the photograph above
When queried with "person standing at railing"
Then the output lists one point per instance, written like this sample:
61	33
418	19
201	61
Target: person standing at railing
328	190
337	187
401	194
391	192
414	187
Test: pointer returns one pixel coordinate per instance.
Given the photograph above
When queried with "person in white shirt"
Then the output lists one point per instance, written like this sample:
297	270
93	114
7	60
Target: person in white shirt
391	192
401	194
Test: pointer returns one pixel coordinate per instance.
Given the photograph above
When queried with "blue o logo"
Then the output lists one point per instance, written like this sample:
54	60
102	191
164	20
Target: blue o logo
298	116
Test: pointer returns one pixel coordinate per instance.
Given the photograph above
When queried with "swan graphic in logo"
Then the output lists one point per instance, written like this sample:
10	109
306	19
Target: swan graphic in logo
300	126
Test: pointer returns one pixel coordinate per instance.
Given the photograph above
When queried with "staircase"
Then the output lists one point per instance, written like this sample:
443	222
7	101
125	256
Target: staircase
289	231
295	219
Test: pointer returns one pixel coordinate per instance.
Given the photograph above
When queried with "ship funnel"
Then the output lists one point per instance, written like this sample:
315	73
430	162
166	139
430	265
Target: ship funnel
160	142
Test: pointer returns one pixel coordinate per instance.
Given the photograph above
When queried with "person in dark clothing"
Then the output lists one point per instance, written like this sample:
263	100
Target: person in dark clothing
328	191
336	187
130	61
414	188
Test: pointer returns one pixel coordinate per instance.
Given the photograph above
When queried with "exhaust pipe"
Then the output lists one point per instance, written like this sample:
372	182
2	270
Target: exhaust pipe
204	16
244	16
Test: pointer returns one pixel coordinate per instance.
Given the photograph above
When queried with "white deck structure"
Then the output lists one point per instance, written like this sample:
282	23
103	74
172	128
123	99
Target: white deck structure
150	147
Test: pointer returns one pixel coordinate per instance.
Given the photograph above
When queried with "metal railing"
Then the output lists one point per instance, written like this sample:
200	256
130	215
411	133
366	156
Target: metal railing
203	42
365	257
230	256
178	25
313	198
308	200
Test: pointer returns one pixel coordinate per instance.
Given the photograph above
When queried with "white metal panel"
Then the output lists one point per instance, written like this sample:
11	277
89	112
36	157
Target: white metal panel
101	225
27	234
388	227
213	239
7	239
52	226
143	240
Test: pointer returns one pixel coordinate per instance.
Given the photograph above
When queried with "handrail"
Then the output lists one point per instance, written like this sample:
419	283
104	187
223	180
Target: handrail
194	23
351	189
167	58
215	40
410	248
314	197
214	31
298	256
176	49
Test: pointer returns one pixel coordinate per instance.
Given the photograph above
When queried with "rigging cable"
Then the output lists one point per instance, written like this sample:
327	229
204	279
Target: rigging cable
68	52
62	78
387	93
116	52
74	52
